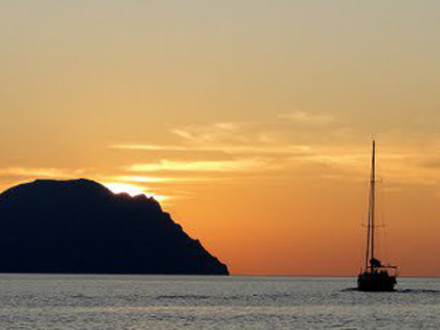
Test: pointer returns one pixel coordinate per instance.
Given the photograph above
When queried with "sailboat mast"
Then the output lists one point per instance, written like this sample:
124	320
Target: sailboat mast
373	197
371	210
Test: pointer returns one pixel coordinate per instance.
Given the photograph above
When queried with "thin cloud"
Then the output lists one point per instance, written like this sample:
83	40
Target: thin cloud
38	172
183	134
228	126
229	149
302	117
257	150
225	137
219	133
155	179
238	165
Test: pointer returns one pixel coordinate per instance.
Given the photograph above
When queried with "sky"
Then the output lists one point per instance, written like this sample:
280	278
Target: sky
251	121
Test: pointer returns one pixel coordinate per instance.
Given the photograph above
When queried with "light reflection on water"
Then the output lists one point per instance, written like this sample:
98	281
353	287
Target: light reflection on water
175	302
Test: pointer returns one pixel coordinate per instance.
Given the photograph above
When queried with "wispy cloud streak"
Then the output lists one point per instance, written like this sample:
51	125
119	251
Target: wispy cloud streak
228	149
38	172
302	117
154	180
238	165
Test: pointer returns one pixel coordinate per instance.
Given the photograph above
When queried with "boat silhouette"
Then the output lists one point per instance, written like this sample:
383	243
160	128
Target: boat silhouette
375	276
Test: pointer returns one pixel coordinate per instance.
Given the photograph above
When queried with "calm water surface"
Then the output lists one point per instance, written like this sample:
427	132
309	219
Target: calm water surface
176	302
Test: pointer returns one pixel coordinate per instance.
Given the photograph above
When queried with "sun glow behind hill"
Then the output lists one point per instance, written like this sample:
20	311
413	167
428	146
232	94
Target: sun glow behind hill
132	190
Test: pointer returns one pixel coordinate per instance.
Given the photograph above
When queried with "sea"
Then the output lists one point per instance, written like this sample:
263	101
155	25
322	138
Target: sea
209	302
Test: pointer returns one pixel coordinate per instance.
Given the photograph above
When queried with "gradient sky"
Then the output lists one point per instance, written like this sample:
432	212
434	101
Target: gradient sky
250	120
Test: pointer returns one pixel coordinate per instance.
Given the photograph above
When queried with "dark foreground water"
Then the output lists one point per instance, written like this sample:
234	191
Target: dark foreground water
176	302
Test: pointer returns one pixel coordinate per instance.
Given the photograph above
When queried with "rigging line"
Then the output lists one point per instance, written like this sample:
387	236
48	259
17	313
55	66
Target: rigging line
381	239
362	224
384	204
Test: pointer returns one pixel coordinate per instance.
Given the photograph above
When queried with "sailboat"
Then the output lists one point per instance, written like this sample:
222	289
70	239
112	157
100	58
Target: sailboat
376	276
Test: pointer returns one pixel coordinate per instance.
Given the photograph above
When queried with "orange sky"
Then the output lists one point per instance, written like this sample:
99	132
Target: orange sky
251	121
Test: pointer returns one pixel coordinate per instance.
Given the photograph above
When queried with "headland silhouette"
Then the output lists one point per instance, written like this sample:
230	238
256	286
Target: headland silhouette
79	226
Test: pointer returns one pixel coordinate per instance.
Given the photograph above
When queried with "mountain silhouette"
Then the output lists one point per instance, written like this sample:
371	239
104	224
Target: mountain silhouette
79	226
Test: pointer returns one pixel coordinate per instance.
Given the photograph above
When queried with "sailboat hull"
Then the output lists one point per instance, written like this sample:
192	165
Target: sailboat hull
376	282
